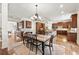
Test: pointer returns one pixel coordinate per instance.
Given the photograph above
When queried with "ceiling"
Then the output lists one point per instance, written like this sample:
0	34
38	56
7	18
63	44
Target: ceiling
47	10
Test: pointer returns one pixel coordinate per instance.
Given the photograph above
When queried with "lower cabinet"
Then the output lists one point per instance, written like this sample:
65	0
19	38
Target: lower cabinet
72	37
61	32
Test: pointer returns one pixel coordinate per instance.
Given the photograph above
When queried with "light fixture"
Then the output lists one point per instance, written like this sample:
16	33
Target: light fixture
36	17
61	6
36	14
62	12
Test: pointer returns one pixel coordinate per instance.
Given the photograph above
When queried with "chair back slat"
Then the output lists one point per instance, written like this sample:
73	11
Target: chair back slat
51	39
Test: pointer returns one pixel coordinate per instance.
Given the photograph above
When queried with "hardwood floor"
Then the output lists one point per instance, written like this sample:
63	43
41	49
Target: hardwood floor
0	44
60	47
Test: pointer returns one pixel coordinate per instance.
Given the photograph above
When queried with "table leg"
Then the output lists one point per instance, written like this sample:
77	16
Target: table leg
43	48
23	40
36	49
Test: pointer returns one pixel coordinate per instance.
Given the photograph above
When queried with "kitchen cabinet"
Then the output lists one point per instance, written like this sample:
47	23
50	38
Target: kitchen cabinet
74	20
72	37
61	32
4	51
62	24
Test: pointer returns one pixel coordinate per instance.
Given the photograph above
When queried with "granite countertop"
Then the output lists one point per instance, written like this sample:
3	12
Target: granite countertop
64	29
73	30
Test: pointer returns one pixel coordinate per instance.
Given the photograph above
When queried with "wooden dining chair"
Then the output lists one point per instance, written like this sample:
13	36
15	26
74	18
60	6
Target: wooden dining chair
50	44
28	39
35	43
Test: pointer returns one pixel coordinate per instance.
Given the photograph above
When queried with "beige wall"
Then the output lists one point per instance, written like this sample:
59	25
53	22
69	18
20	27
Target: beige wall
78	28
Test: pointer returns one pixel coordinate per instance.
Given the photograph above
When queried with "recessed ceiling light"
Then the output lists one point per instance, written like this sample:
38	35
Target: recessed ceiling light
62	12
61	6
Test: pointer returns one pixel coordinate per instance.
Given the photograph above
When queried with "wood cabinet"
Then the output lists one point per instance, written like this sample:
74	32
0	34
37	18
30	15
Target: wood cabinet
74	20
40	28
4	51
72	37
61	32
62	24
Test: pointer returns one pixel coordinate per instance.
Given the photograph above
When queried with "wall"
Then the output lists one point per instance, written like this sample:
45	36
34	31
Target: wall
78	28
12	26
49	25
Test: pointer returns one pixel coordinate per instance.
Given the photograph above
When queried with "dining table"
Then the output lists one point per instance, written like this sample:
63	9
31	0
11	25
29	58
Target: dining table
42	38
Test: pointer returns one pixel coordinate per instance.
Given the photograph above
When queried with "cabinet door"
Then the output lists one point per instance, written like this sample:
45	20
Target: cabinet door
72	37
74	21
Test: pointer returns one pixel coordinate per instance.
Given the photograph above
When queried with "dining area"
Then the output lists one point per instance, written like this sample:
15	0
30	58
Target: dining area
38	40
38	44
39	29
34	36
37	35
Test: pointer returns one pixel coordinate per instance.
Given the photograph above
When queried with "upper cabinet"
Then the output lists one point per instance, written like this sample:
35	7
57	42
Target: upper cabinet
74	20
61	24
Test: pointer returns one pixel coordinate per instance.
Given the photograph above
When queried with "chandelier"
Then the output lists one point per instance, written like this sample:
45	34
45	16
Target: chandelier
36	14
36	17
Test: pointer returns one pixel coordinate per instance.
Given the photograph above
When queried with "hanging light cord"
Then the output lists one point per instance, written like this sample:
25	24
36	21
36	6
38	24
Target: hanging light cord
36	11
36	8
